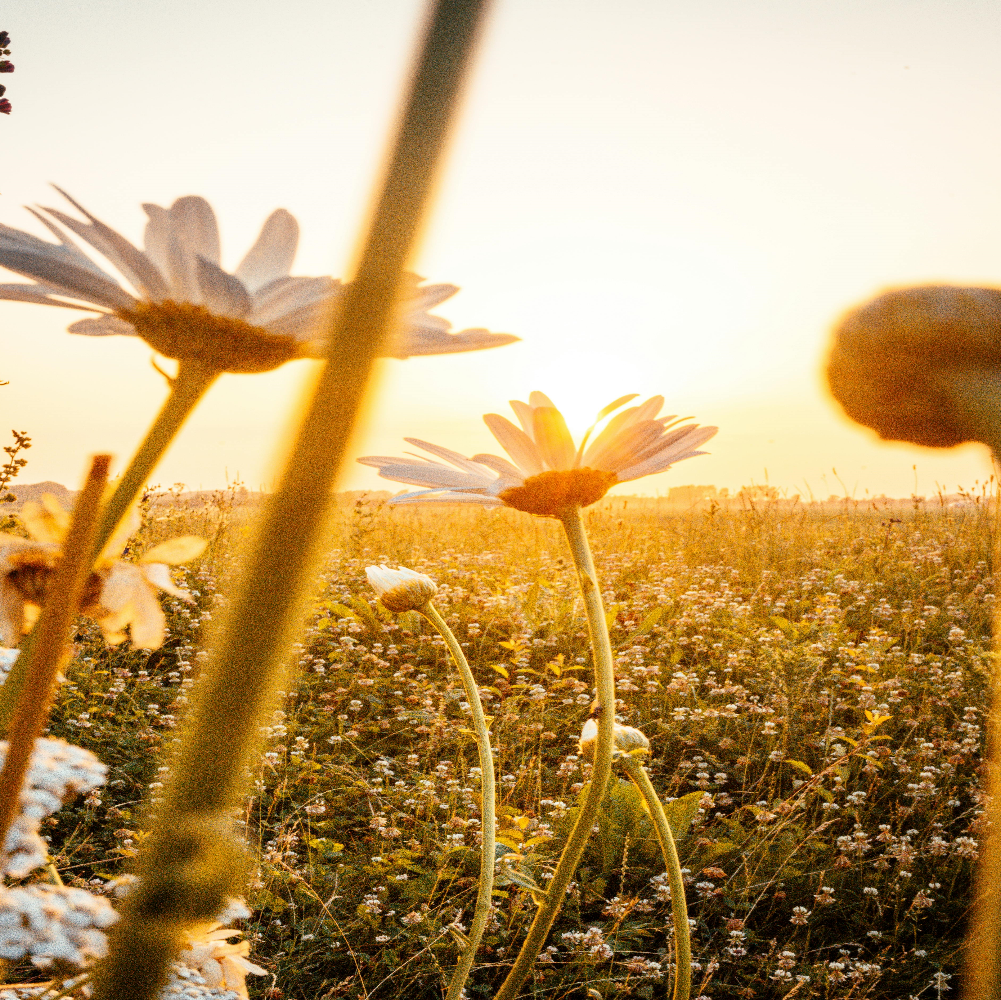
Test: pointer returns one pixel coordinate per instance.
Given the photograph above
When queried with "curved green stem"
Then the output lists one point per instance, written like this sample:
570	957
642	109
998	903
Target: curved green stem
487	851
192	382
679	910
605	683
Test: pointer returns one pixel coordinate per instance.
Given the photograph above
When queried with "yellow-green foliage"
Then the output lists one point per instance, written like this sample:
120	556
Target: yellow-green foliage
811	680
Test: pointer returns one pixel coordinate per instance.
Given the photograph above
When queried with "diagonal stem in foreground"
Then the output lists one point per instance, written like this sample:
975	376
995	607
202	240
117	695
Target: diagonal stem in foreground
189	862
604	676
487	812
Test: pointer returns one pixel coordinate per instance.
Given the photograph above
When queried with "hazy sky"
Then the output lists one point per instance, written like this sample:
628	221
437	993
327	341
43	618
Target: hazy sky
657	196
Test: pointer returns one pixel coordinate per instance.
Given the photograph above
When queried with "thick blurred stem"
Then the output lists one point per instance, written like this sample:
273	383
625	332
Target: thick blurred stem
977	395
679	910
604	676
487	812
188	865
48	651
186	390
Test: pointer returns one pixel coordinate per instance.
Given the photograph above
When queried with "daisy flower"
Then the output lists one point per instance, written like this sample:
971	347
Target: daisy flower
185	306
549	473
117	593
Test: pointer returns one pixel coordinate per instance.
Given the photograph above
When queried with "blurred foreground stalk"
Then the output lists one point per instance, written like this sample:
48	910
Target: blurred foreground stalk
48	649
187	866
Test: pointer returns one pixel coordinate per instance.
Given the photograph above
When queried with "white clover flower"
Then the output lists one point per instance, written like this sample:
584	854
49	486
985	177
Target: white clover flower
551	474
401	589
184	304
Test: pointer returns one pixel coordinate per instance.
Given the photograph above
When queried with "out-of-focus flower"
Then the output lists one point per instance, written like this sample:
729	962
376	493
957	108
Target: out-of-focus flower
6	66
5	106
627	739
4	39
187	307
903	363
401	589
219	961
117	594
551	474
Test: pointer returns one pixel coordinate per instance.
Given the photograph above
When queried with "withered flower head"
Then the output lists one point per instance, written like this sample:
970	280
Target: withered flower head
898	361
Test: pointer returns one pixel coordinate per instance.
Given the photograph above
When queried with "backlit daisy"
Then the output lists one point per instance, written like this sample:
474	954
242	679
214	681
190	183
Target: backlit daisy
185	306
550	473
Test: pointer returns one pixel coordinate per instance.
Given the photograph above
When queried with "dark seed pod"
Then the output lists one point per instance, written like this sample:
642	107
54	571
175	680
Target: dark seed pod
895	361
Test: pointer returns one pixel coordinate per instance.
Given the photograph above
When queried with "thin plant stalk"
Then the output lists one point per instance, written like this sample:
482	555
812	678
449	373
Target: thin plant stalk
189	863
679	910
192	382
487	812
49	650
604	675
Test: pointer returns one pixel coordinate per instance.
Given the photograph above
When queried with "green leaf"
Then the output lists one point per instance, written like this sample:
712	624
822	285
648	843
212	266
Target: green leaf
681	812
647	623
799	765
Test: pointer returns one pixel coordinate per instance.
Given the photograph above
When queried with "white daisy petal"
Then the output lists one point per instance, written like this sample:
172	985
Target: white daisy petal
429	296
501	466
552	437
103	326
39	294
433	475
158	574
221	292
195	227
157	236
537	399
273	251
447	497
65	278
516	443
446	453
415	342
524	414
138	269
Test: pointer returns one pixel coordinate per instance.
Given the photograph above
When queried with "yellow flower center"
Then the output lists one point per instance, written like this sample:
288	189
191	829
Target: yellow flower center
549	494
191	333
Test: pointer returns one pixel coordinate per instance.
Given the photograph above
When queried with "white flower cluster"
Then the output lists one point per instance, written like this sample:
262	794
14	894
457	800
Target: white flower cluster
51	923
186	983
7	658
58	771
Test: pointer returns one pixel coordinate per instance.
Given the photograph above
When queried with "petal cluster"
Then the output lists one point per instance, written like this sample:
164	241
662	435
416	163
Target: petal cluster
118	594
547	472
185	305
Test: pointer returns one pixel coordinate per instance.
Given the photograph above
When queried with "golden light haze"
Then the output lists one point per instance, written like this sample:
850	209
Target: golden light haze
656	196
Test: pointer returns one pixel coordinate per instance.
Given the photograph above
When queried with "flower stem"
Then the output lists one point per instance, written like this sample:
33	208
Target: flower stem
679	910
186	390
604	673
48	650
487	813
190	861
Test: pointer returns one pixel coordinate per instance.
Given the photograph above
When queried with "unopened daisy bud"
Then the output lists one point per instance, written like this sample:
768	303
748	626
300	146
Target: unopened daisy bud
627	739
401	589
914	364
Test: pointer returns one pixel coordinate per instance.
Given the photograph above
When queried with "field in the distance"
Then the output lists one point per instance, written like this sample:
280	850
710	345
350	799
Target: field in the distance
812	678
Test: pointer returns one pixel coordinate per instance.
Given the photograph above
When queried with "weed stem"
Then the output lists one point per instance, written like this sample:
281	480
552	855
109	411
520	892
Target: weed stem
679	910
487	812
601	646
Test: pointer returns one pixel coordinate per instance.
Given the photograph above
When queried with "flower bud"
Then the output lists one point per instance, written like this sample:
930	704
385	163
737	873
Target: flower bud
626	739
6	66
401	589
896	361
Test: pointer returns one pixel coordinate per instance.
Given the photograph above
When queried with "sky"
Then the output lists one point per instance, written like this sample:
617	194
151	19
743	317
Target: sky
657	196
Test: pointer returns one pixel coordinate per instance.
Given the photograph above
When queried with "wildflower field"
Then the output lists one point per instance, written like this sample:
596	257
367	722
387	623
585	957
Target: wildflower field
811	679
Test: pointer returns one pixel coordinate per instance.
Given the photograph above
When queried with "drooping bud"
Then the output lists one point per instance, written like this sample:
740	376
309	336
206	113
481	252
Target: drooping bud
627	739
898	361
401	589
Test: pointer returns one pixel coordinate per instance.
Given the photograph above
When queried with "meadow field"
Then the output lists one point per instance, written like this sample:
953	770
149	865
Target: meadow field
811	679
